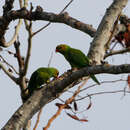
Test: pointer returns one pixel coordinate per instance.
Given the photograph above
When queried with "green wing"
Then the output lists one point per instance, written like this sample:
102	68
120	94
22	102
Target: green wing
77	58
38	78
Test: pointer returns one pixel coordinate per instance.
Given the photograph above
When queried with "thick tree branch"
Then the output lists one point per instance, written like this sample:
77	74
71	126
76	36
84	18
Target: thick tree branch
38	14
54	89
46	16
42	15
98	46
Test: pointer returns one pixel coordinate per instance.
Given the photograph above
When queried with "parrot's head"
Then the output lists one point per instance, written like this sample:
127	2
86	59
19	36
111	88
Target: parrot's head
54	72
62	48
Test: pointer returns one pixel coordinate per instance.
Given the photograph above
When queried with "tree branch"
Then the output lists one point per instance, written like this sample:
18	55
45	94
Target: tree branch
14	36
54	89
100	93
50	22
98	46
117	52
9	65
8	6
8	73
54	18
29	49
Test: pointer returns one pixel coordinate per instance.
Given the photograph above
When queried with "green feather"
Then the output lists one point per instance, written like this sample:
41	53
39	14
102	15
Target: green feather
75	57
40	77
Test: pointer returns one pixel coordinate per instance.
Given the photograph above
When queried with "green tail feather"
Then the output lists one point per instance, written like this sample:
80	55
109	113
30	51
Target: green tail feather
94	79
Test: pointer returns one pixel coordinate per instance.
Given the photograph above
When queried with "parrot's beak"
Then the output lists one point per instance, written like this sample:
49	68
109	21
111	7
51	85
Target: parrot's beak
56	50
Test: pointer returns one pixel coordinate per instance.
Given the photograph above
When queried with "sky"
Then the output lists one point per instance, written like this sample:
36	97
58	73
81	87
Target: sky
108	111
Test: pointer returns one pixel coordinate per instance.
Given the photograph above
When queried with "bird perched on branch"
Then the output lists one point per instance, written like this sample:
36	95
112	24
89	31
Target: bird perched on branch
75	57
41	76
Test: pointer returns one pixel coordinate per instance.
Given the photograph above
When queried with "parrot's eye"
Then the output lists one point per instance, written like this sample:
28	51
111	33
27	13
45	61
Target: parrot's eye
60	47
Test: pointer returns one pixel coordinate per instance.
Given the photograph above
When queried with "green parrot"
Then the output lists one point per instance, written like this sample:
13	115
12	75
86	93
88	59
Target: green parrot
41	76
75	57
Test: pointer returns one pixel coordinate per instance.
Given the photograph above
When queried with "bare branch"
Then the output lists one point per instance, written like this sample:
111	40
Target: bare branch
100	93
15	35
29	49
98	47
103	82
117	52
8	64
41	29
8	6
23	13
18	56
66	6
21	3
50	22
54	89
8	73
38	119
61	18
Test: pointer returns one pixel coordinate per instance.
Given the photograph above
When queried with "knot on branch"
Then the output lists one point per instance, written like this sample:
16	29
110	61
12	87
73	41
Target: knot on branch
39	9
8	6
16	14
64	15
124	19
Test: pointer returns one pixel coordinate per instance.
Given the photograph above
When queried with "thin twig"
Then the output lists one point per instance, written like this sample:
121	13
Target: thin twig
103	82
38	119
113	47
9	65
18	56
8	73
49	63
66	7
100	93
50	22
117	52
21	3
41	28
